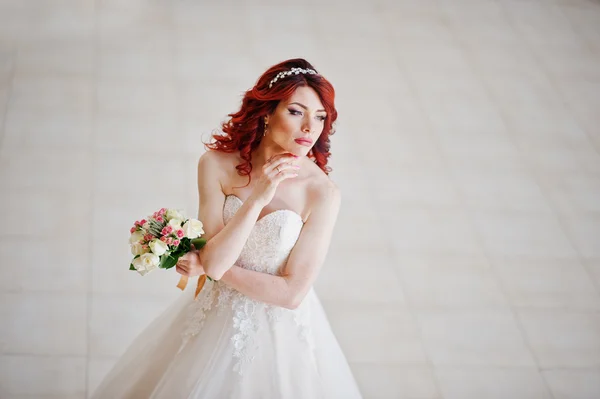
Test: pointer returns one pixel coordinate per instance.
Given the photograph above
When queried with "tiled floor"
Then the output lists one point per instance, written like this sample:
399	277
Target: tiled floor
466	259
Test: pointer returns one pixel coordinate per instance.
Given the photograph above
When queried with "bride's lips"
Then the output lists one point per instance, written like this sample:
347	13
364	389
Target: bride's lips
304	142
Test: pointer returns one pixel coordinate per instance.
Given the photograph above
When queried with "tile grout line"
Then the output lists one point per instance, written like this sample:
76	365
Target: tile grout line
584	40
468	212
568	107
558	215
594	52
513	309
11	76
176	82
412	309
96	56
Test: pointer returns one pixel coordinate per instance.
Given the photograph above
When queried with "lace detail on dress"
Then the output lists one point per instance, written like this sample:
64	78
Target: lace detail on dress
198	310
267	250
246	325
302	320
244	311
300	316
274	313
271	241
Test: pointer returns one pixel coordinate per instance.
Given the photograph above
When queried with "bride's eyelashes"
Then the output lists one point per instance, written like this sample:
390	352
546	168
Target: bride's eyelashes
296	112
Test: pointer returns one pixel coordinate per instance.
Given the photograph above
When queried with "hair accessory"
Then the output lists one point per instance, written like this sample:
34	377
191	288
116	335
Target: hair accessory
293	71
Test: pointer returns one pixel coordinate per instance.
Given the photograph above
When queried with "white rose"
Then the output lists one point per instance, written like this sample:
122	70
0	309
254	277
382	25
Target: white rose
158	247
173	214
136	236
146	263
175	223
193	228
138	249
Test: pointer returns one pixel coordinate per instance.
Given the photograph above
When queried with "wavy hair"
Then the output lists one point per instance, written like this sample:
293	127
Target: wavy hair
243	132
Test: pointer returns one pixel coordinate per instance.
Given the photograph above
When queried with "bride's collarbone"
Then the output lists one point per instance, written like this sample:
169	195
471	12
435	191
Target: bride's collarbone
289	196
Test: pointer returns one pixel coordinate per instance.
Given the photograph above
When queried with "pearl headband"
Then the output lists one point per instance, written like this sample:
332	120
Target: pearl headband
293	71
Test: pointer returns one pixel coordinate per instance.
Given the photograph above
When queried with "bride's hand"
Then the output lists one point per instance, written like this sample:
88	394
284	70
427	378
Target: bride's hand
277	169
189	264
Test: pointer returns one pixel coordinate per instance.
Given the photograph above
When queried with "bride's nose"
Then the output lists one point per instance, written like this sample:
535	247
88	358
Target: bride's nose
307	128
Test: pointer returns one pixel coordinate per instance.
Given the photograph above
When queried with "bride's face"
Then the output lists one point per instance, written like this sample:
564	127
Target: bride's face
297	122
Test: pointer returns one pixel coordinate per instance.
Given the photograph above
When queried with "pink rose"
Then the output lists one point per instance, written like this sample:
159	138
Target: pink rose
180	233
132	230
176	242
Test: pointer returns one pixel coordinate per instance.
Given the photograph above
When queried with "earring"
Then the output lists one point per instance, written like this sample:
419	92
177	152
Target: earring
265	131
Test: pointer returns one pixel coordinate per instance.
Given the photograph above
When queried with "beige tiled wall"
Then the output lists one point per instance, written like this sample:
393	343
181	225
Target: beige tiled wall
466	258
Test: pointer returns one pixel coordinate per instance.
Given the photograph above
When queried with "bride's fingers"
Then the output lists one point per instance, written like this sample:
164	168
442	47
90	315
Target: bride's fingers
280	162
182	271
284	171
285	174
285	166
183	266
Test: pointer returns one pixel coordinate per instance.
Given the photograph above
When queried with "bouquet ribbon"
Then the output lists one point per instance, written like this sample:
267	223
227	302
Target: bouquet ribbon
184	280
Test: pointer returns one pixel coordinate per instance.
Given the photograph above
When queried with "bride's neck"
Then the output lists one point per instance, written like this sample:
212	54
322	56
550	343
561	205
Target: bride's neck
265	151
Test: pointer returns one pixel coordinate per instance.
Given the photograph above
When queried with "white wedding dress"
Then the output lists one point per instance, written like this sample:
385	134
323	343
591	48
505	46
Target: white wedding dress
225	345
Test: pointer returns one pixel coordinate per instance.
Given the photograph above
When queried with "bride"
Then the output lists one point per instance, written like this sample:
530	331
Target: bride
257	330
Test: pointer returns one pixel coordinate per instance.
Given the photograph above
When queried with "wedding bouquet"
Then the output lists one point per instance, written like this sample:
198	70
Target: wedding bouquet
161	239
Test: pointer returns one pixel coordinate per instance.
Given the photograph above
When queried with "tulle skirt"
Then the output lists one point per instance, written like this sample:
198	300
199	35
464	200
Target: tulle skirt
224	345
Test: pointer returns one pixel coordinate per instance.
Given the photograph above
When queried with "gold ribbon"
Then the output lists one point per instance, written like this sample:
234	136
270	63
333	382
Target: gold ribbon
184	280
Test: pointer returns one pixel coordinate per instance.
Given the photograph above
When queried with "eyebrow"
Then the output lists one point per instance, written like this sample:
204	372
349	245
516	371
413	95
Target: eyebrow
305	107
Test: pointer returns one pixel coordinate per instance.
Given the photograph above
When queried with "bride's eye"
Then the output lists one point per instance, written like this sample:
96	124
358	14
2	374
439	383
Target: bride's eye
322	118
294	112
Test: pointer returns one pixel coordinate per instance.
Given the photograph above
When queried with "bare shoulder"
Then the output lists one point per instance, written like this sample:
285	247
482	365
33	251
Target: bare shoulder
214	159
211	170
325	191
324	194
320	183
216	163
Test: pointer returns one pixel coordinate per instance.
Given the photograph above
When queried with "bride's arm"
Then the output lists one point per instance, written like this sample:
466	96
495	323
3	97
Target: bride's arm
299	273
224	242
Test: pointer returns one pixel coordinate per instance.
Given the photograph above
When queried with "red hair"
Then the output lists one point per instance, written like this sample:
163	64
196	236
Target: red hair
244	131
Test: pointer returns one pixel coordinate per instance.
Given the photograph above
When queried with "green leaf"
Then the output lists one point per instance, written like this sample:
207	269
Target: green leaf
131	264
184	246
198	242
167	261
